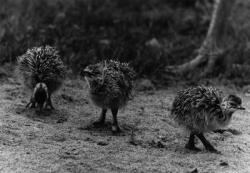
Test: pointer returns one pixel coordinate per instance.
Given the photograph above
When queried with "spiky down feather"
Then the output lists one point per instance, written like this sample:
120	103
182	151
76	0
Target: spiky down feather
113	87
197	108
41	64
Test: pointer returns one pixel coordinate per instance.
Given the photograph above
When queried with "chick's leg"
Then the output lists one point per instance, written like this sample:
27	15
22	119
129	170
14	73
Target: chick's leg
31	103
49	103
191	145
115	126
101	120
207	144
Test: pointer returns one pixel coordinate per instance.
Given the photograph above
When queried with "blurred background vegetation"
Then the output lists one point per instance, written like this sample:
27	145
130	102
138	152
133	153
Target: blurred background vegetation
150	34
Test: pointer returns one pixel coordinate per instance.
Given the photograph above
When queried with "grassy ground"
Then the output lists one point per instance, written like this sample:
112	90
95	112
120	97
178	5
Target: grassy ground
63	140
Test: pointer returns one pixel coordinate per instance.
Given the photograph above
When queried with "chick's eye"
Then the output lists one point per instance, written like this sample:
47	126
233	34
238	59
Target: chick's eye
233	105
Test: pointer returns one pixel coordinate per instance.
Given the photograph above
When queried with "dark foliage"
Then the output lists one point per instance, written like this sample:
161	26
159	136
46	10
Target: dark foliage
148	34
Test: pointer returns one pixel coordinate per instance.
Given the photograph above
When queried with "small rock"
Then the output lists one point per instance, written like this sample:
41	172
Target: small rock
157	144
133	142
61	120
68	153
240	148
160	144
142	111
223	163
235	132
194	171
102	143
18	112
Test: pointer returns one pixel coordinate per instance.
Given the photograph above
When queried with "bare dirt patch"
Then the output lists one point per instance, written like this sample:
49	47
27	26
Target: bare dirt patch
63	140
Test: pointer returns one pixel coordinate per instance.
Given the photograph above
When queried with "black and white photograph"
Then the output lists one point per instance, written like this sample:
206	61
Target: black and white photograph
125	86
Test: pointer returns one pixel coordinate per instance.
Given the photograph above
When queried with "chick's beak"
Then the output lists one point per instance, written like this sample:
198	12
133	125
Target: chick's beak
241	108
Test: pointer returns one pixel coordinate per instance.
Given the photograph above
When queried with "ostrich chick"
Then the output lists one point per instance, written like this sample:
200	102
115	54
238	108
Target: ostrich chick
203	109
41	70
110	87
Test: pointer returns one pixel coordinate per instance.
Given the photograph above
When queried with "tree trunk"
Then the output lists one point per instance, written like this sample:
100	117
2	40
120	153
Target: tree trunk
214	44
